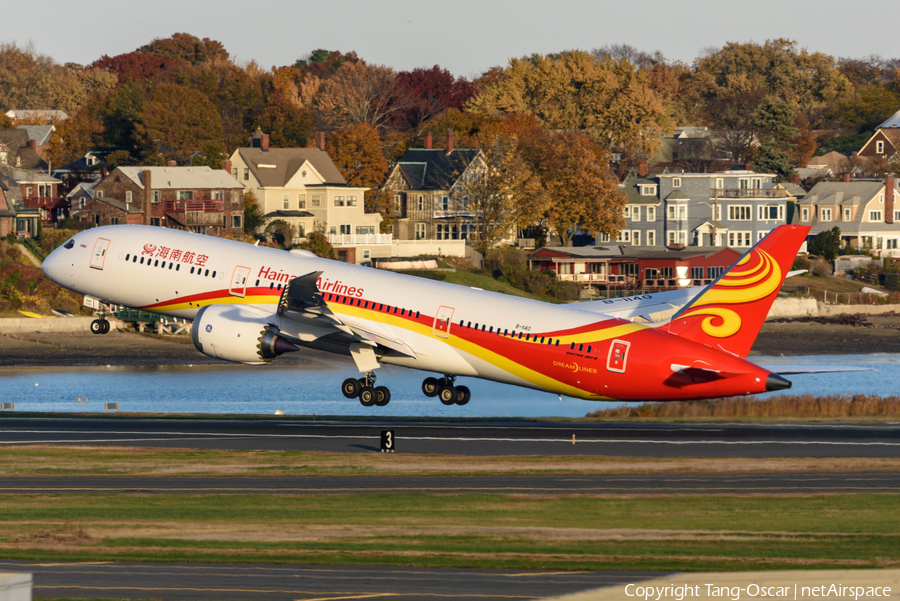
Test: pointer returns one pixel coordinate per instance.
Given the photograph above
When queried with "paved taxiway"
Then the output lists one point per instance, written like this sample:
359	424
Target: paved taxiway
466	437
241	581
657	484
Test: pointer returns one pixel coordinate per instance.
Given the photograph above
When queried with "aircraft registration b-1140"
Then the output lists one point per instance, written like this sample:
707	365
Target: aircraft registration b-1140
250	304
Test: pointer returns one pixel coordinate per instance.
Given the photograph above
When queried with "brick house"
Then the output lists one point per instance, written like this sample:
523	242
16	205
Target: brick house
426	185
108	211
303	187
7	216
865	210
196	199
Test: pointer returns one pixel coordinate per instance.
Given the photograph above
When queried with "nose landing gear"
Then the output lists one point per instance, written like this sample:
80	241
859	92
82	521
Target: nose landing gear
100	326
365	390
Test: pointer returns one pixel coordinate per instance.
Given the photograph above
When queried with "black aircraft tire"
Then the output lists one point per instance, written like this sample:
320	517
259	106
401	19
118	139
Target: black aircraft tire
382	396
350	388
96	327
463	394
448	395
431	387
105	324
367	396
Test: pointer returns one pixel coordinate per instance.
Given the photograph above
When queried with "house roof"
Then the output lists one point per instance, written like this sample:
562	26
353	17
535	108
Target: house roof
182	178
86	186
16	143
677	195
832	160
892	134
841	193
39	133
285	162
289	213
81	166
114	203
28	176
52	115
892	121
581	252
433	168
793	189
688	252
631	188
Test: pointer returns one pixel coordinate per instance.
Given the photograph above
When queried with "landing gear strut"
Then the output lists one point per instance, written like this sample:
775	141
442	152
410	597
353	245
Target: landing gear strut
365	390
445	390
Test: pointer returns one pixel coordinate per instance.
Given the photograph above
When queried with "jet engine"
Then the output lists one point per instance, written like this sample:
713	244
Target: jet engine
238	333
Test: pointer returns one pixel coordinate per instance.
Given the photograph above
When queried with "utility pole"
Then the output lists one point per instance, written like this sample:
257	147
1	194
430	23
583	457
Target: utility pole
716	219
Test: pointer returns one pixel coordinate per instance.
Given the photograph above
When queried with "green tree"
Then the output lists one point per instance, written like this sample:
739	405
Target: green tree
826	244
774	121
281	232
180	121
317	243
253	217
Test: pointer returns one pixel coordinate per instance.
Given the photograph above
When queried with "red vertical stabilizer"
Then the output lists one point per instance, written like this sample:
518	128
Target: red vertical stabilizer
729	314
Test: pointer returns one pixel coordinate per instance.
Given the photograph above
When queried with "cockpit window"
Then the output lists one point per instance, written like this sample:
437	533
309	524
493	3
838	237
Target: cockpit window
69	244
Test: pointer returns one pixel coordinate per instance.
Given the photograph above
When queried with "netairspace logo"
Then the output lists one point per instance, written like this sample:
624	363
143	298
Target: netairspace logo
734	593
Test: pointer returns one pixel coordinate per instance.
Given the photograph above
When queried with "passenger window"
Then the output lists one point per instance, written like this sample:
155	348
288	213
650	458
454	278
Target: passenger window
271	284
192	270
542	339
589	349
366	305
214	274
476	325
580	347
128	257
520	335
469	325
207	275
178	267
491	330
142	260
417	315
134	260
156	263
557	342
170	265
163	265
402	311
395	310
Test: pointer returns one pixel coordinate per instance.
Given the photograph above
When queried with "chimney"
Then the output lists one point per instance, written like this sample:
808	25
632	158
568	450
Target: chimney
846	178
172	163
889	198
320	140
794	178
747	167
643	168
226	167
103	171
429	138
449	141
145	179
264	142
32	144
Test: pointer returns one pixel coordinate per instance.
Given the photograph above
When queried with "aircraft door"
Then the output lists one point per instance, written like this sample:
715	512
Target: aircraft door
618	356
239	281
442	322
98	257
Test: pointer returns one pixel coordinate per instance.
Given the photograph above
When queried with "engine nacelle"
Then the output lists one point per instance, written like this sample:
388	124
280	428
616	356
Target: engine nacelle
238	333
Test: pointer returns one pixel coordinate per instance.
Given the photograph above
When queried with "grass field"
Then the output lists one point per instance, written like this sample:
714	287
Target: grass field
468	530
135	461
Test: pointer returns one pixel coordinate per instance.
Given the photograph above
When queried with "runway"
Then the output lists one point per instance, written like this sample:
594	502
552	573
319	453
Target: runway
465	437
195	581
684	484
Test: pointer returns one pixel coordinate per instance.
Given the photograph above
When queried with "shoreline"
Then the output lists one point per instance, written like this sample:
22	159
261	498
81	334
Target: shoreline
879	334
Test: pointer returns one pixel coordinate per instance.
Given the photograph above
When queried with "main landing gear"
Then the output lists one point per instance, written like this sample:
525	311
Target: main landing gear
365	390
100	326
446	391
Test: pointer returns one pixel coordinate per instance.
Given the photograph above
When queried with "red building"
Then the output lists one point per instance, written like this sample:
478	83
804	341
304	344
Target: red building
635	267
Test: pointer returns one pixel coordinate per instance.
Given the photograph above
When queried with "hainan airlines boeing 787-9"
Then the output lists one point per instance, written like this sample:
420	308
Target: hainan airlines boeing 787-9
250	304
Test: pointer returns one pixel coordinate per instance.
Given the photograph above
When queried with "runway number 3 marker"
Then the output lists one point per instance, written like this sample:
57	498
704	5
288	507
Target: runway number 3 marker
387	441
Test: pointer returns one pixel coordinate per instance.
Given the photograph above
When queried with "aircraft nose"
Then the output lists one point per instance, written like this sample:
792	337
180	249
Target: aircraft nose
55	264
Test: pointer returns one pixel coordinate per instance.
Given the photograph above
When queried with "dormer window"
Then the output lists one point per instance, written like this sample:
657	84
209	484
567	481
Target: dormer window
879	147
676	182
647	189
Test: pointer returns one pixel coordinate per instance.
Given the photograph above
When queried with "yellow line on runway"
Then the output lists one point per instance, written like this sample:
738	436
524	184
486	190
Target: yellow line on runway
367	596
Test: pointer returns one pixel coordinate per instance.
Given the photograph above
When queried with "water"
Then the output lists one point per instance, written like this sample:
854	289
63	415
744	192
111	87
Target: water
315	389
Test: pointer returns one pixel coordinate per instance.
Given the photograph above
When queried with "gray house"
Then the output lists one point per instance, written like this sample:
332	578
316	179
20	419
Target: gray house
729	208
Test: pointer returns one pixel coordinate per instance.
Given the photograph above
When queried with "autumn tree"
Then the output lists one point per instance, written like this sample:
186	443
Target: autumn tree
290	126
570	166
181	121
358	93
323	63
608	99
185	47
867	108
503	193
317	243
5	122
134	65
807	81
427	92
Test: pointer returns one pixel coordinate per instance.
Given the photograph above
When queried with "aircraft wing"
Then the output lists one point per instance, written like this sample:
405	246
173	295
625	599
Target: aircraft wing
645	305
302	304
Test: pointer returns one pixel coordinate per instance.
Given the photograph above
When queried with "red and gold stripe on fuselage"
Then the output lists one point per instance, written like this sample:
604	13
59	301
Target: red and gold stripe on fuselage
258	295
